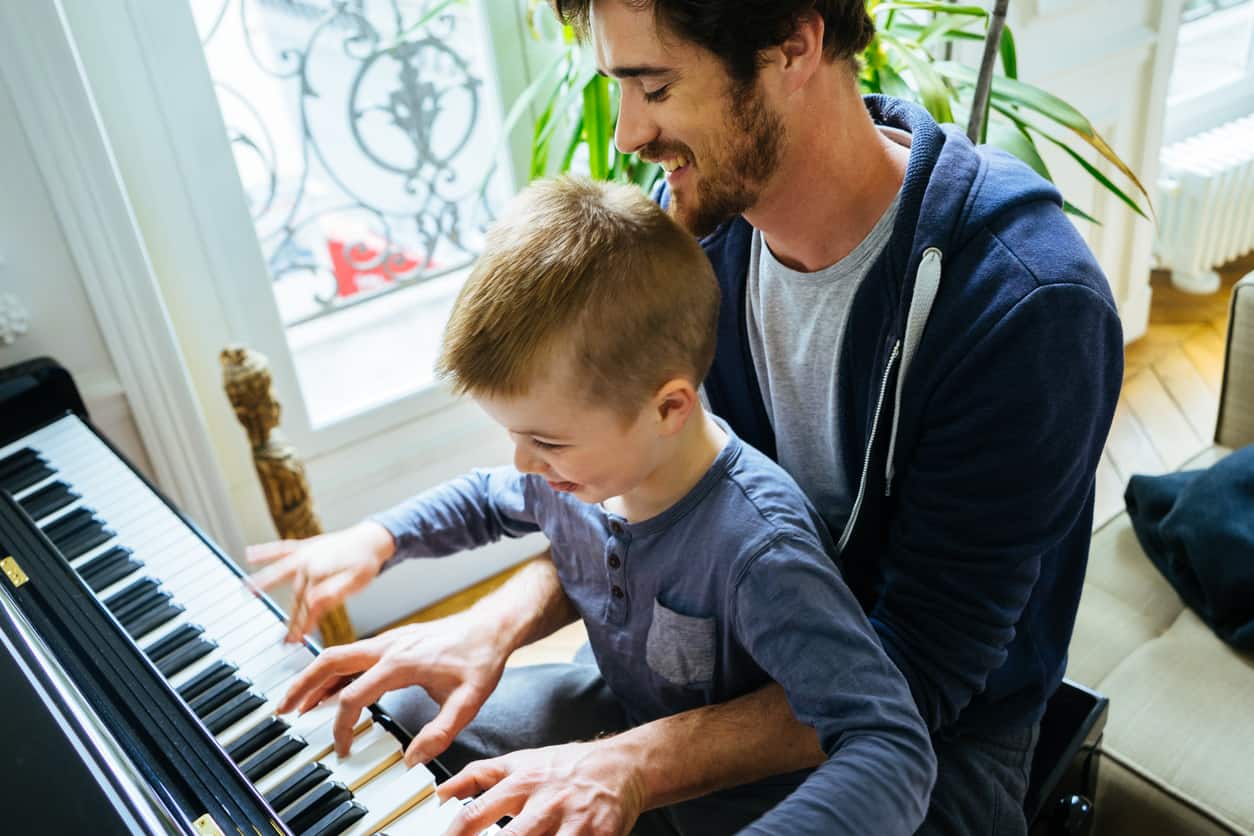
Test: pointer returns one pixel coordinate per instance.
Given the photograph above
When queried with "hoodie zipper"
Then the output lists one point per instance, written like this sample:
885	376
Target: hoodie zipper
866	463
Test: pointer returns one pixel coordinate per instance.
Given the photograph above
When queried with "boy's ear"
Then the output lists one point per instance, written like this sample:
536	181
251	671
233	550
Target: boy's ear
674	401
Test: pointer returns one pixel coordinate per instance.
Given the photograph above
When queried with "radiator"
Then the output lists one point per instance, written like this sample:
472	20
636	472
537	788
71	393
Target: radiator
1206	204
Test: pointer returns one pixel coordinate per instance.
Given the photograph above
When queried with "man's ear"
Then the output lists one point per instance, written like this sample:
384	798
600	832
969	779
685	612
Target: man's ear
802	52
674	401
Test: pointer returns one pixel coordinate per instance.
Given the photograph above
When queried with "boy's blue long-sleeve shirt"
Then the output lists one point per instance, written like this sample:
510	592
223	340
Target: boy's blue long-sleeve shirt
729	589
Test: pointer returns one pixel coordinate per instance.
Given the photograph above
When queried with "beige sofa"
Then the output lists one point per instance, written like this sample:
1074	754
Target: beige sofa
1178	749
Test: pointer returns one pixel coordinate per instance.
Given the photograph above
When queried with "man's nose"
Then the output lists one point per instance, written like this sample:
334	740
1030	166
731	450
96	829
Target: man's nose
634	129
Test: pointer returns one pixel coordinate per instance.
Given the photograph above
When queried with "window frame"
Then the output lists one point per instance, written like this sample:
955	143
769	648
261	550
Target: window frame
169	99
1211	107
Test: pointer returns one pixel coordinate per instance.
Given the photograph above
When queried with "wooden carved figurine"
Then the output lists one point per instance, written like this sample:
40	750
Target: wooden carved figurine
246	377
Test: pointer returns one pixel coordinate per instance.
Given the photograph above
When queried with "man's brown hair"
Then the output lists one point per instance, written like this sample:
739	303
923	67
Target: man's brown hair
737	31
586	277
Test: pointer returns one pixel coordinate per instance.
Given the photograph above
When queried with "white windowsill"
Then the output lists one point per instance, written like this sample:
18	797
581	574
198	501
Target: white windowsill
373	354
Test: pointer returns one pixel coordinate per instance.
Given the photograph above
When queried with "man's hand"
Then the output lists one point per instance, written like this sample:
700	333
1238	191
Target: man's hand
456	660
577	789
323	570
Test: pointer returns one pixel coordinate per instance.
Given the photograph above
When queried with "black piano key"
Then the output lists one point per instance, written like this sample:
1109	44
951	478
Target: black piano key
67	525
219	695
305	813
202	681
251	741
49	498
184	656
141	605
308	777
130	592
108	563
110	575
23	477
16	461
277	753
85	541
173	641
153	618
234	711
338	820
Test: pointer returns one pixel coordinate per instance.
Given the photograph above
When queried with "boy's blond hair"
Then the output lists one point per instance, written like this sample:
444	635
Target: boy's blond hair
593	275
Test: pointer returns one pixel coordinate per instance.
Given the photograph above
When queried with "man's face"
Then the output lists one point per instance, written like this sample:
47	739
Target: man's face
590	452
719	141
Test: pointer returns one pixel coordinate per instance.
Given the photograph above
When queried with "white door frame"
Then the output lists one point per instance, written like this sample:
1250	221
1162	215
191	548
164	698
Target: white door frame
39	62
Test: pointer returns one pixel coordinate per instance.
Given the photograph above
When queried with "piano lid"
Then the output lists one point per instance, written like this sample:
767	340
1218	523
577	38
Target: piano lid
33	393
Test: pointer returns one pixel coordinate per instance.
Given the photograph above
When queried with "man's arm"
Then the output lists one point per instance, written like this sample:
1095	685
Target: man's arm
1001	472
528	606
601	787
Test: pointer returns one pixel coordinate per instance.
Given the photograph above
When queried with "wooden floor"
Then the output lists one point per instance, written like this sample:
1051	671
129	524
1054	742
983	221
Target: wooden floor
1166	416
1166	412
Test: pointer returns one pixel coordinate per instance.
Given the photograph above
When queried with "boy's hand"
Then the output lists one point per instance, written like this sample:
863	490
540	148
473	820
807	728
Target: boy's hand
323	570
572	789
452	659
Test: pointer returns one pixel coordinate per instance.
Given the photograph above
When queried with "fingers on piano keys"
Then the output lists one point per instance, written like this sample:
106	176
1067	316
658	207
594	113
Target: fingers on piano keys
215	642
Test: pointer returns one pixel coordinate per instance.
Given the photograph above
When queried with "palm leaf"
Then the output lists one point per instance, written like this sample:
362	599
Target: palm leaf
1015	92
1009	56
923	6
1094	173
933	92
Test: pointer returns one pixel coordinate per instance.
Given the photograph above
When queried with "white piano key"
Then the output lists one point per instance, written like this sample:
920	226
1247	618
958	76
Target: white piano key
278	677
430	818
392	794
373	751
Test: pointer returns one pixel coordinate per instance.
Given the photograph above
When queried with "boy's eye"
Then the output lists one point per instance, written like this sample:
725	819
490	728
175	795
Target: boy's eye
544	445
658	94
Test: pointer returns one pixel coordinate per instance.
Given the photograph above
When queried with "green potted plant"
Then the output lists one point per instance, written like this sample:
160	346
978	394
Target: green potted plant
576	109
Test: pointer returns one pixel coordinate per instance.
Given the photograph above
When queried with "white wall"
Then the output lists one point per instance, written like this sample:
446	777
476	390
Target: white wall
1112	61
39	270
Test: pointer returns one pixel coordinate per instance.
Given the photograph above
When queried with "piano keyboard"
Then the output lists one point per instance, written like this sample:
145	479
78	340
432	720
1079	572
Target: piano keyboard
217	644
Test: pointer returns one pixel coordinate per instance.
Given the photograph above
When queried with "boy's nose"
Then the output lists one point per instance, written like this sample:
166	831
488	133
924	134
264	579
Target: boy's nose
525	462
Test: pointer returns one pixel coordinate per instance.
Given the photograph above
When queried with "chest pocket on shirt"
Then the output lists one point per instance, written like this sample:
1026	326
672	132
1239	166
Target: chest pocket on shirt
681	648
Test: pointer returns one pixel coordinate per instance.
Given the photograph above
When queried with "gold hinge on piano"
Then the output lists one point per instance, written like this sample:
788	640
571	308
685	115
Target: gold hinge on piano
13	572
206	826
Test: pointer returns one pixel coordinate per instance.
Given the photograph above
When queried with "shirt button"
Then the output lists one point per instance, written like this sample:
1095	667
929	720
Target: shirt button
614	561
617	591
616	527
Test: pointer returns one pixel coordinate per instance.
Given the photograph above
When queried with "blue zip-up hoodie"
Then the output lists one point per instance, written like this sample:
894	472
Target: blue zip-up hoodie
979	371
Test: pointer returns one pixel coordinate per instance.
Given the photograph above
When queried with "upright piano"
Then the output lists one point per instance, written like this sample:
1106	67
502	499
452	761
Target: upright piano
139	673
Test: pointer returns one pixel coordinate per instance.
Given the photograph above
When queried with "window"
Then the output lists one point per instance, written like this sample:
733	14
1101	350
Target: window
1212	77
366	135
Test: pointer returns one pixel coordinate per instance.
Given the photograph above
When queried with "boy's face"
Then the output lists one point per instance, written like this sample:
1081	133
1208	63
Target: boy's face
592	453
679	106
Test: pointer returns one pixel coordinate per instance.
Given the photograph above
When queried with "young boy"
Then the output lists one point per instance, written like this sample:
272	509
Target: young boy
697	565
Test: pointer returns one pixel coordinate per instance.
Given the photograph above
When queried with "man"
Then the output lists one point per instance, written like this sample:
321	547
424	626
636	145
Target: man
912	328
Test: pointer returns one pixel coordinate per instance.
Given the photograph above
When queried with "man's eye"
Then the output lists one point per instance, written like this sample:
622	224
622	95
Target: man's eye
657	95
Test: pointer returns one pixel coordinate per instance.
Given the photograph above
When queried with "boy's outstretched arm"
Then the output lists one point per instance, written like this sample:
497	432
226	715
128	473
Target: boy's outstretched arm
458	660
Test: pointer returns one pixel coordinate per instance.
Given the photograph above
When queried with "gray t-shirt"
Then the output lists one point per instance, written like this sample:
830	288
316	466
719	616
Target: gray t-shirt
796	322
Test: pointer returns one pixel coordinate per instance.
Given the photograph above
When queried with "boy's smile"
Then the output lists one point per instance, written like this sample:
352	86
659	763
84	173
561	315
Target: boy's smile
637	465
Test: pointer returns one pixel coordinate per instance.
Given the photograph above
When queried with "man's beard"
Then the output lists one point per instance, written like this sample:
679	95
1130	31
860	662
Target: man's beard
731	182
